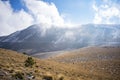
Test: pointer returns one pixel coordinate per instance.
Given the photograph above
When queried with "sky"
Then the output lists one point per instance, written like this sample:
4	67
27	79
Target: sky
19	14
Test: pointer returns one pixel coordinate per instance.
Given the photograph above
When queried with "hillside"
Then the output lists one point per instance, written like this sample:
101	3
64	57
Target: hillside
66	66
104	62
12	62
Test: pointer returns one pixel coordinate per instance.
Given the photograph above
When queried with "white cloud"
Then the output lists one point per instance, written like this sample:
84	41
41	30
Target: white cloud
39	12
44	12
106	12
11	21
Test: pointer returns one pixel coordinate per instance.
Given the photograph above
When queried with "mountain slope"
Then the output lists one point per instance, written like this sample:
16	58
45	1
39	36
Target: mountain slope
12	62
102	61
37	38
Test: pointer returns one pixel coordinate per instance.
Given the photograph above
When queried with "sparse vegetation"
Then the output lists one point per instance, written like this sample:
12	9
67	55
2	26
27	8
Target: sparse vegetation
11	71
19	75
13	66
29	62
47	77
24	53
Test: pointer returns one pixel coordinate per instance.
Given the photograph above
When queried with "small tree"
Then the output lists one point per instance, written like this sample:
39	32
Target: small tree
29	62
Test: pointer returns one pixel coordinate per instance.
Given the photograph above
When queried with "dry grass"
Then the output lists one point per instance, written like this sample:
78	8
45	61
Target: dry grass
84	64
99	63
12	62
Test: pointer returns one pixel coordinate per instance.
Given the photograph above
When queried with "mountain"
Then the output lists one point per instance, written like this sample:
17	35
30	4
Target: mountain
38	38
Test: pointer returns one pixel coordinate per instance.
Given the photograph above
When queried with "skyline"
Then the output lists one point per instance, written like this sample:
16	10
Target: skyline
19	14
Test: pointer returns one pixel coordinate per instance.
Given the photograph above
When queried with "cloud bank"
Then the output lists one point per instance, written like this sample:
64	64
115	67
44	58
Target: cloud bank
44	12
47	14
108	12
39	12
11	21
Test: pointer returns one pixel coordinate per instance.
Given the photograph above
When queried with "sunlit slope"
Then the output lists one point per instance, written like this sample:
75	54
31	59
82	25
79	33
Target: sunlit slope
100	61
12	62
91	53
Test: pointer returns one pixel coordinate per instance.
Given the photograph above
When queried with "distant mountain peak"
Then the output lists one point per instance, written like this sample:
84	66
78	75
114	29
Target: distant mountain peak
40	38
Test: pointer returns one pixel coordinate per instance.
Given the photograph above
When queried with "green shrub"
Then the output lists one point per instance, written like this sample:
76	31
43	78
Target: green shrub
29	62
19	75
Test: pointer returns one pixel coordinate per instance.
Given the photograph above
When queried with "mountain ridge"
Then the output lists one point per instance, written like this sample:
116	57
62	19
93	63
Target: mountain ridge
37	38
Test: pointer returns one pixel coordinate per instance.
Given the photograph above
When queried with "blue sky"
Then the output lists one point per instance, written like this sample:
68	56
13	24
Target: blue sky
19	14
76	11
79	11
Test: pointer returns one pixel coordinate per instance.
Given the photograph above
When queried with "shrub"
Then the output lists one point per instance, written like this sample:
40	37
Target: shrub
29	62
24	53
46	77
11	71
61	78
19	75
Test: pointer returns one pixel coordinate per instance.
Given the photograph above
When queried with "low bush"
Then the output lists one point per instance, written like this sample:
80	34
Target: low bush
19	75
46	77
29	62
